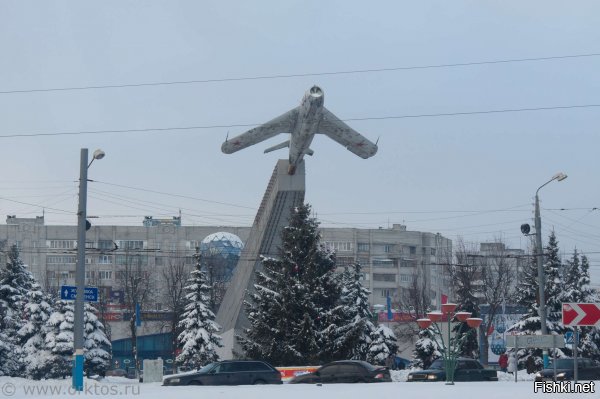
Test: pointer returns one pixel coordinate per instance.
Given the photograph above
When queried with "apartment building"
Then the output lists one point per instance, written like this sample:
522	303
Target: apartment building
393	259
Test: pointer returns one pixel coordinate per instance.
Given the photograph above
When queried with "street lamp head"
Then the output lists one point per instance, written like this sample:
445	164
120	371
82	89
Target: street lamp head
560	176
99	154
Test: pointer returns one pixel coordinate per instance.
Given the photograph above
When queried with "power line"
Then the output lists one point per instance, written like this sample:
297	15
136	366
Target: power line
185	128
174	195
300	75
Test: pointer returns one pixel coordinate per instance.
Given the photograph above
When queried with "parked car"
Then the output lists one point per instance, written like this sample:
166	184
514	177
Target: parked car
587	369
466	370
229	372
345	371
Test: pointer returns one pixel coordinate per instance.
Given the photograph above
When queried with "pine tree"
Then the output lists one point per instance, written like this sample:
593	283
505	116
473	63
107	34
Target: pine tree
59	341
96	345
577	289
198	339
426	350
32	334
301	281
383	344
463	277
349	331
16	283
9	364
530	322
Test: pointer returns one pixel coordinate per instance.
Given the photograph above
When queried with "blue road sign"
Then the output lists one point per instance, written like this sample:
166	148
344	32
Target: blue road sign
69	293
569	337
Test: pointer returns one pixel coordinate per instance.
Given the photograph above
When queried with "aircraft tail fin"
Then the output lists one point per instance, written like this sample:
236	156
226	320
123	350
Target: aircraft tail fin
278	146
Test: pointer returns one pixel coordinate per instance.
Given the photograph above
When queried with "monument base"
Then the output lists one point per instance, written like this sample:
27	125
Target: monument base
284	192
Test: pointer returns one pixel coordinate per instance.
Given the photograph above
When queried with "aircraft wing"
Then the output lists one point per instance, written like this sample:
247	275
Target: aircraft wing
282	124
353	141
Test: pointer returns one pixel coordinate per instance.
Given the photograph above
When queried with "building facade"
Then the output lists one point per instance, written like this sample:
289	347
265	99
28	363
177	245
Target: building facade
394	259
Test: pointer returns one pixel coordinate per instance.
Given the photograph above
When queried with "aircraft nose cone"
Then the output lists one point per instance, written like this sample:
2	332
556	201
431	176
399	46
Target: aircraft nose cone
316	91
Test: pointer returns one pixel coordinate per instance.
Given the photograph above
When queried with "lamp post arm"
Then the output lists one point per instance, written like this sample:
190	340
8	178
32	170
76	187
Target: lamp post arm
540	187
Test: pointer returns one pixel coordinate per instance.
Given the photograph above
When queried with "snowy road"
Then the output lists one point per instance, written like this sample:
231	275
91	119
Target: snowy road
121	387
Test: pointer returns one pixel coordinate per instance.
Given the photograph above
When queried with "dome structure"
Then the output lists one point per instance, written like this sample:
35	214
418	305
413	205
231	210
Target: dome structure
221	251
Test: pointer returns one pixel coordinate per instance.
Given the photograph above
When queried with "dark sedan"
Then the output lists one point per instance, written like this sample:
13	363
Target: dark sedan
230	372
345	371
586	370
466	370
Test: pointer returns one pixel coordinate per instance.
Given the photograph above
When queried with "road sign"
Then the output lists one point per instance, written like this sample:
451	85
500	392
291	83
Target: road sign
535	341
581	314
69	293
569	338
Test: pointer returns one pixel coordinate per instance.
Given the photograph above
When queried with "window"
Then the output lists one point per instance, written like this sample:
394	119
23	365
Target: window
339	246
64	275
158	261
105	274
89	274
383	263
387	292
61	260
384	277
387	248
433	251
412	250
104	259
131	260
363	261
61	244
363	247
192	245
106	244
406	278
89	245
131	244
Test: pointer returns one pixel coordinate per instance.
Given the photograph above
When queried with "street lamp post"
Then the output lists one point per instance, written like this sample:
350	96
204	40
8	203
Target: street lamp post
78	321
540	263
450	346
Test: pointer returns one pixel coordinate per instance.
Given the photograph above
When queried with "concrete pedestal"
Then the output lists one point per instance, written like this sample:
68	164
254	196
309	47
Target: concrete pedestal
284	192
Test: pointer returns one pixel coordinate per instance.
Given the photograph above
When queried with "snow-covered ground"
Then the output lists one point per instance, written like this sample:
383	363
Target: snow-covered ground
506	388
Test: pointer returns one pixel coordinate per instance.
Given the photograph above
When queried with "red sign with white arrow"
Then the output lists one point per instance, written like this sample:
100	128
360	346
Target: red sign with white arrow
581	314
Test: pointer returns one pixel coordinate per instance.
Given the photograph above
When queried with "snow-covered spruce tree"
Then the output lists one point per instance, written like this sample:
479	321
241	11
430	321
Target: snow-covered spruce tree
383	344
9	364
199	339
530	322
96	345
59	341
464	275
577	289
301	281
349	325
32	334
15	285
426	349
554	293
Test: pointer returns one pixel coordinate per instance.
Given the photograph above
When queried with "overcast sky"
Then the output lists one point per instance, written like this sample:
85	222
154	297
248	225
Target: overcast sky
469	175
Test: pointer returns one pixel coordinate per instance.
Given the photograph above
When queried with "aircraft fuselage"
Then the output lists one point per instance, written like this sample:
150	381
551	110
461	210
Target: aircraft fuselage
307	125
